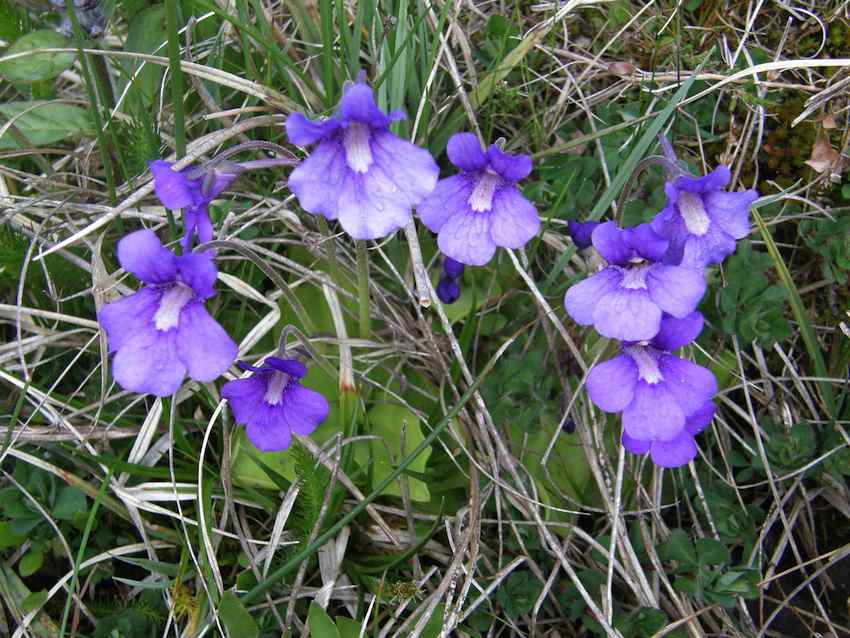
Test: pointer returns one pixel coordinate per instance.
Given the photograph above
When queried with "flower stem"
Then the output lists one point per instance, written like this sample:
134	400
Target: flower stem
176	77
176	91
363	287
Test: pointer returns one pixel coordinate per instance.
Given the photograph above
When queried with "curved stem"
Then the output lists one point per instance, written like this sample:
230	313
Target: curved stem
672	168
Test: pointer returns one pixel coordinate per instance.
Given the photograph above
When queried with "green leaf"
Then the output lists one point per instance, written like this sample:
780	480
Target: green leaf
34	601
8	537
236	618
385	422
321	625
146	34
70	501
43	122
687	585
678	547
712	552
39	66
518	594
434	625
30	563
347	627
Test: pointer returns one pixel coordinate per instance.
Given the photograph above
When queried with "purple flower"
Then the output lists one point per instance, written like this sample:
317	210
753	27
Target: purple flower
481	207
360	173
273	405
448	290
163	332
192	189
665	400
626	299
701	220
581	232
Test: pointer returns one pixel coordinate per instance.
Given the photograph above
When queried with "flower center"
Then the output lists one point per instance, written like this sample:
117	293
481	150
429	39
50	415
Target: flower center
167	316
634	278
481	199
274	390
647	364
693	212
358	153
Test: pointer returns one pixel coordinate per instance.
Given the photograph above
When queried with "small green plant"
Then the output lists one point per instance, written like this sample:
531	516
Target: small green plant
703	570
829	238
749	305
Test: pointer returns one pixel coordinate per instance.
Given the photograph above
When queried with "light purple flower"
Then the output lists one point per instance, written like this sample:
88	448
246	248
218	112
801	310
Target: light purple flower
360	173
581	232
481	207
163	332
273	405
701	220
626	299
192	189
665	400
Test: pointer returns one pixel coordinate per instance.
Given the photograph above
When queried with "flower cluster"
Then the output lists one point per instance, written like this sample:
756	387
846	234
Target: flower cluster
163	332
361	174
367	178
646	297
370	180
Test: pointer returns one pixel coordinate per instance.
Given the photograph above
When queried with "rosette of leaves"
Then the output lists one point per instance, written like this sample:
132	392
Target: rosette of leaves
830	239
750	306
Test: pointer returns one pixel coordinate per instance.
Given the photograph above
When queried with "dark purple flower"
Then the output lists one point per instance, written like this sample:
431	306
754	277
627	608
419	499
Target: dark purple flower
626	299
701	220
163	332
360	173
581	232
481	207
665	400
273	405
448	290
453	269
192	189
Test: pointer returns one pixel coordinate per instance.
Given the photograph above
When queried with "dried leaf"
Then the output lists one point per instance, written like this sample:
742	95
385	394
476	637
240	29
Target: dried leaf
824	158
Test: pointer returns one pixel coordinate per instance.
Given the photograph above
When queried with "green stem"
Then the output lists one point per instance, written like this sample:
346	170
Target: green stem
176	77
171	20
363	288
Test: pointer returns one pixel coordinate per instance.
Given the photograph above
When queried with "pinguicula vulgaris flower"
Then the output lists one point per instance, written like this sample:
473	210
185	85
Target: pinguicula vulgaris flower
665	400
581	232
360	172
448	288
273	405
480	208
192	189
163	332
701	220
626	299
